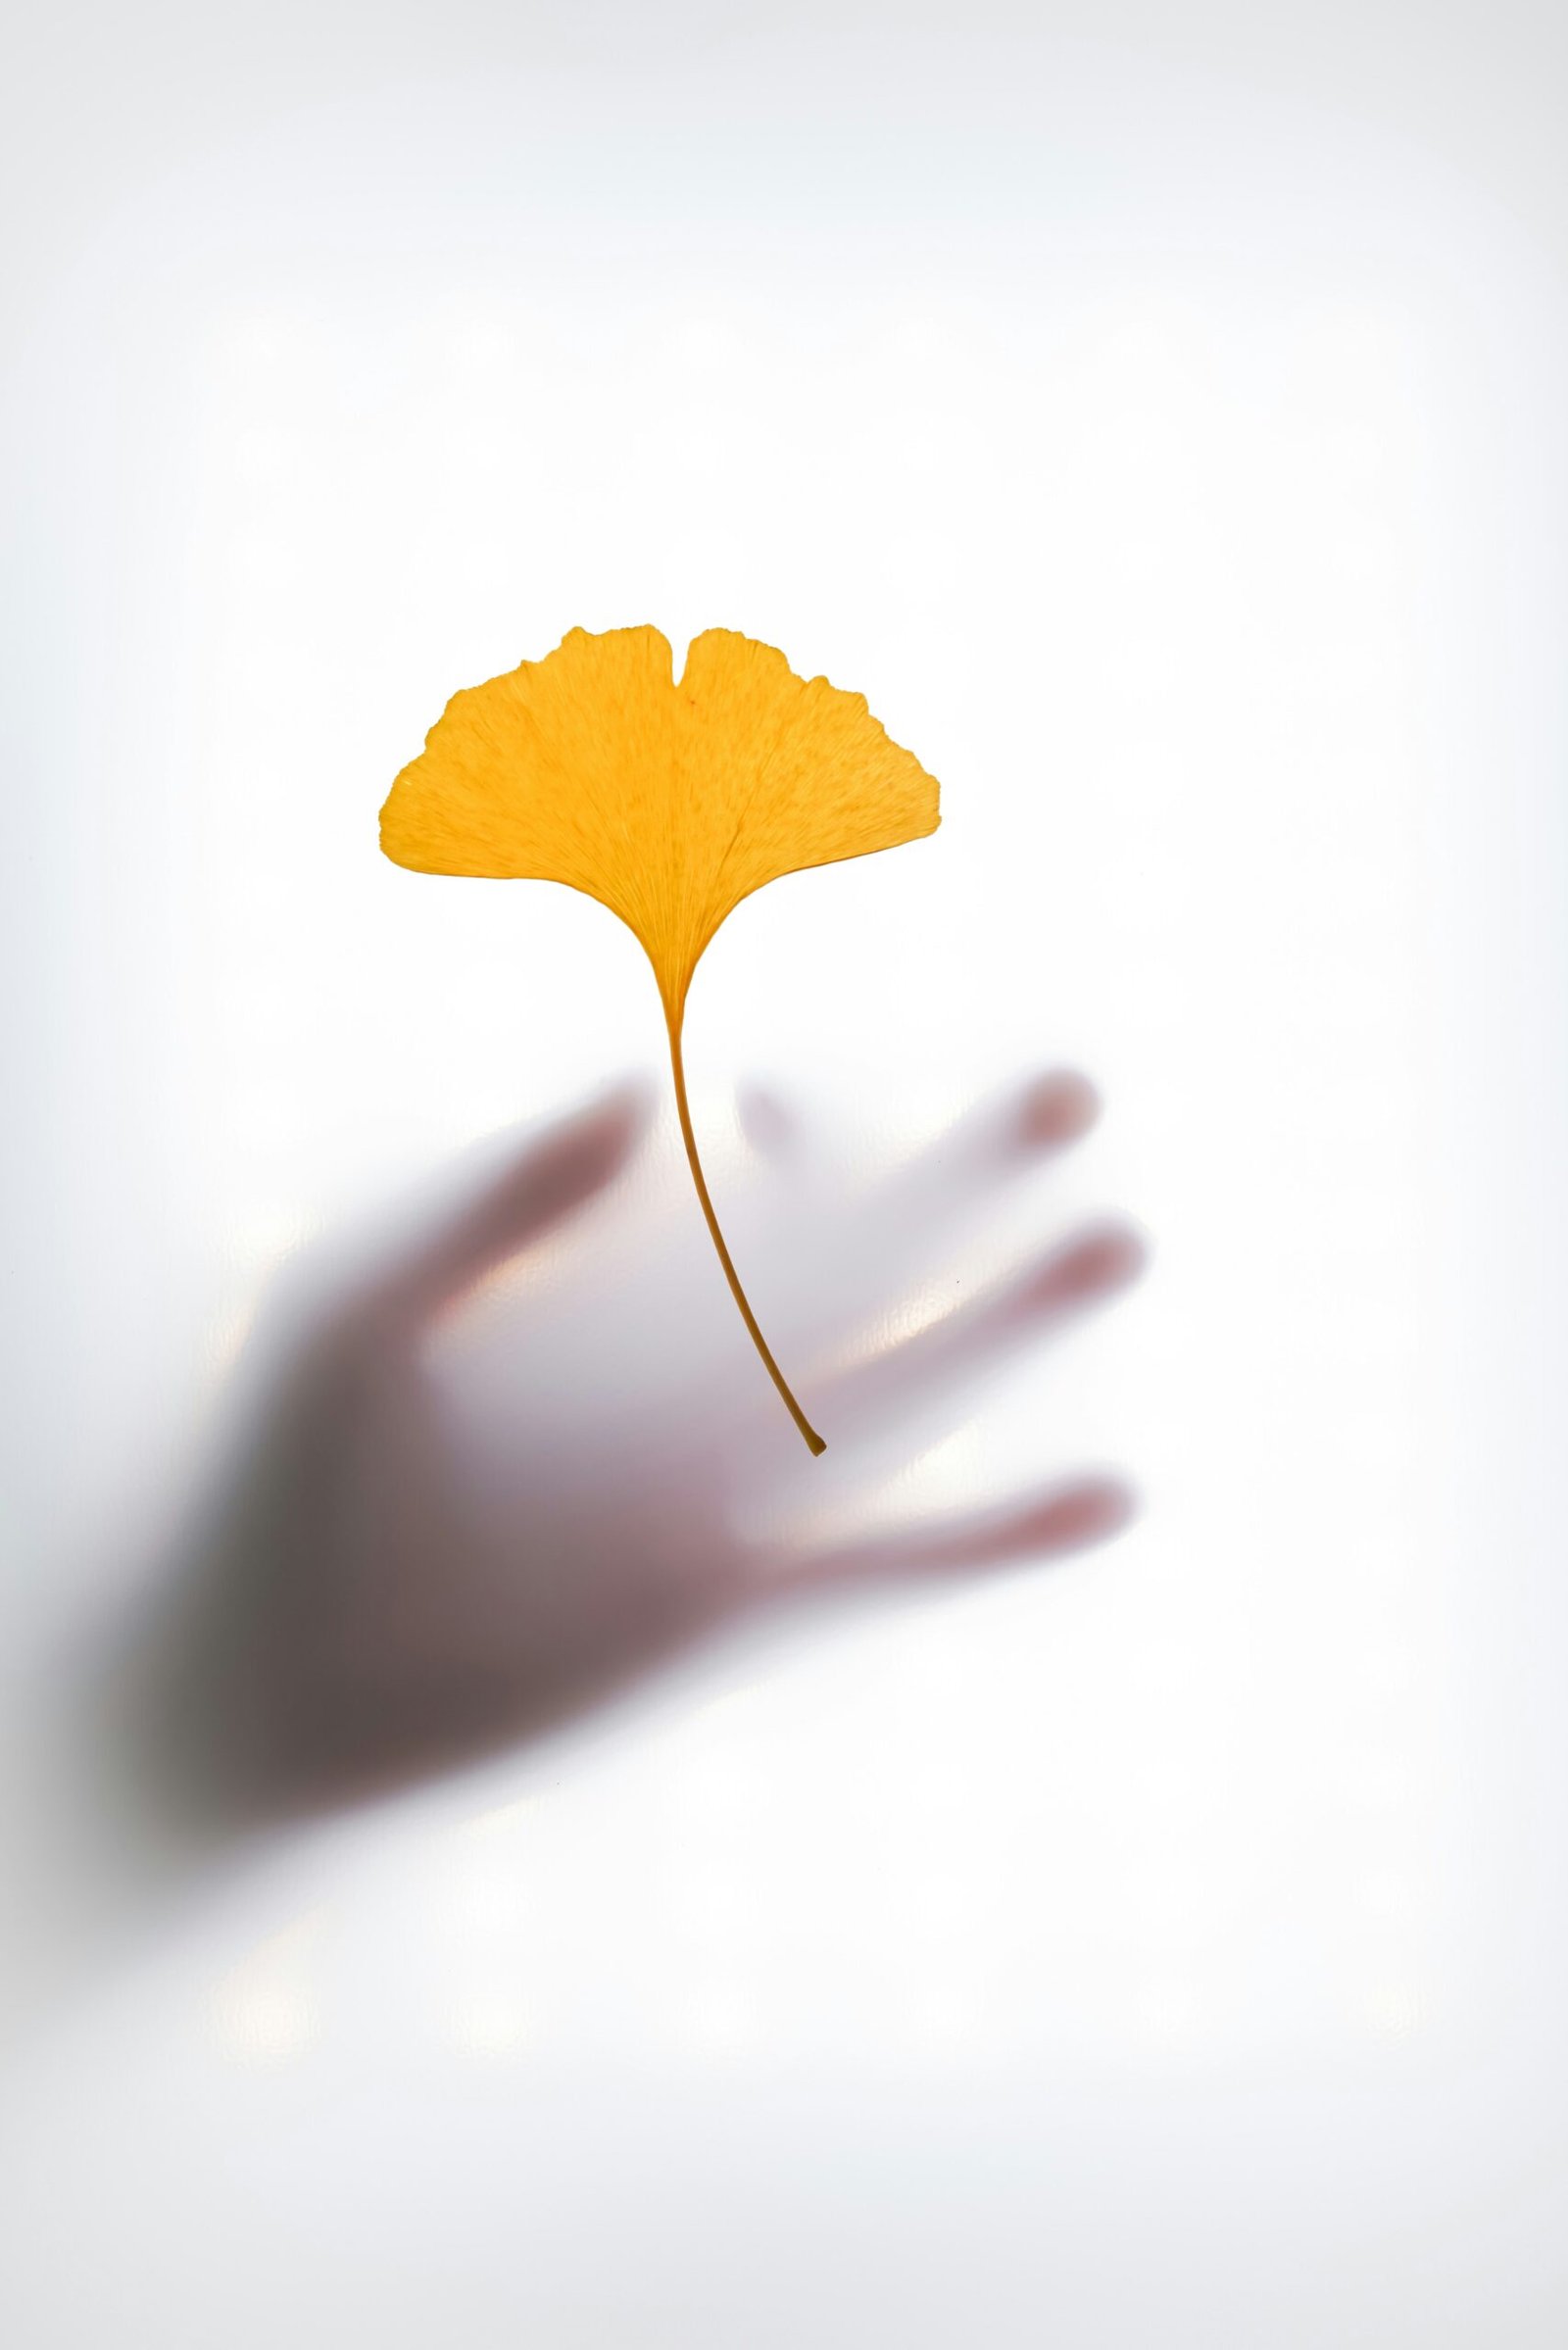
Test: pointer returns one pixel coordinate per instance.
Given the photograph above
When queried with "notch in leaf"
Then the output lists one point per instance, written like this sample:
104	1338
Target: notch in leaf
667	801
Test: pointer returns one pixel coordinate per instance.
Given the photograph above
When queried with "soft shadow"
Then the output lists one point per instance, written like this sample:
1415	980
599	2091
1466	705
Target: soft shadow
531	1456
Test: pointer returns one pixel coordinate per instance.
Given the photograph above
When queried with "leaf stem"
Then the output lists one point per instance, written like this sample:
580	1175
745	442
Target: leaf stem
814	1441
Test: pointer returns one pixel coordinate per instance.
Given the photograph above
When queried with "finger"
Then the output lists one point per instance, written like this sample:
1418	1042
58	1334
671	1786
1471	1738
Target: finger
1080	1274
557	1175
1044	1525
902	1221
768	1122
1004	1137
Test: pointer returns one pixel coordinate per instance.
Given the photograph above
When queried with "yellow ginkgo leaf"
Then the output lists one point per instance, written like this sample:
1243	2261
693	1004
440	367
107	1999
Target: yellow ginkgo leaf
667	801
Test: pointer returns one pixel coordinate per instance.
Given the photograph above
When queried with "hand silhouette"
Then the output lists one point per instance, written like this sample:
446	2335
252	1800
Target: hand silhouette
532	1454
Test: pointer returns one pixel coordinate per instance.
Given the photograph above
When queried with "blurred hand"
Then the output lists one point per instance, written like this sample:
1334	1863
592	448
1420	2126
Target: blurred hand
534	1453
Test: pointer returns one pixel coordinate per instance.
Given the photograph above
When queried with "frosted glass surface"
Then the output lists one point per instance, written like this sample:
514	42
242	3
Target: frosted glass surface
1157	416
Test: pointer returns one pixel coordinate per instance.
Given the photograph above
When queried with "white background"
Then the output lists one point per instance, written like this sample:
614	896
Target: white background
1158	415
